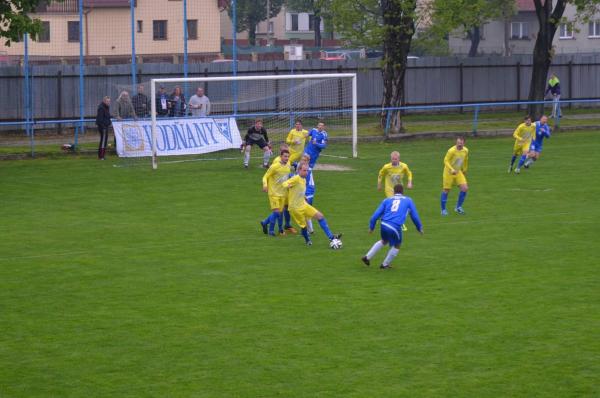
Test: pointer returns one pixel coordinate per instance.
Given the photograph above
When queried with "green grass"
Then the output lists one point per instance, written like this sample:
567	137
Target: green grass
127	282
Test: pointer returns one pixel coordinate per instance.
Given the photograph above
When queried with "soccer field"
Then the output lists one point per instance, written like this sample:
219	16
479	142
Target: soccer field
128	282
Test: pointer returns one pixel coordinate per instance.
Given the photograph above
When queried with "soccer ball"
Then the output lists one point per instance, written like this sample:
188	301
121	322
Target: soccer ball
335	244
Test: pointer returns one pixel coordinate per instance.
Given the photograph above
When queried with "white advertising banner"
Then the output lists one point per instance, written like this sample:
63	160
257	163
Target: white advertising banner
176	136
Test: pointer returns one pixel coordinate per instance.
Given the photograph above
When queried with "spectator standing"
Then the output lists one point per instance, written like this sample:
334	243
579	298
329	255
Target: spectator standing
162	102
141	103
554	90
200	104
125	107
103	122
177	101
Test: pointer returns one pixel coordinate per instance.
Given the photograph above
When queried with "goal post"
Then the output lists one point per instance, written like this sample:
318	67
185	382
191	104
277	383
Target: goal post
279	99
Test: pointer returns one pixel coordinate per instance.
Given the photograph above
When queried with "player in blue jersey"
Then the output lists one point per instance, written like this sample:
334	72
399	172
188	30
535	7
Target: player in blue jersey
317	141
392	212
310	190
542	130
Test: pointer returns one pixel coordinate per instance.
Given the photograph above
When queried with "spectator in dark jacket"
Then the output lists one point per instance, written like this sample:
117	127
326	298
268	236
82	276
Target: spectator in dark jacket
141	104
162	102
103	122
177	101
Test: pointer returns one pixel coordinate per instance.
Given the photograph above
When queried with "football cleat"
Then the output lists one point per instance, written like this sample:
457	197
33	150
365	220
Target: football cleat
336	236
264	227
309	242
366	261
460	210
382	266
272	234
518	170
444	212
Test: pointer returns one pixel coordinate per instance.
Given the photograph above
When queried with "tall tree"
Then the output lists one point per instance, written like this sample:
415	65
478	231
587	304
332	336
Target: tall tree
319	10
376	23
549	18
469	16
15	20
250	12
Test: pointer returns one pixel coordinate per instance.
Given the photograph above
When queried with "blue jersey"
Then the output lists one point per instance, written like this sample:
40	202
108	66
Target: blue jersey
541	131
317	141
393	212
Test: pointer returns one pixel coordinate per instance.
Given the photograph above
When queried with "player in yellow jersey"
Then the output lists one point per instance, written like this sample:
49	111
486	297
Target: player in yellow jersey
302	211
286	214
456	164
392	174
296	139
272	181
524	133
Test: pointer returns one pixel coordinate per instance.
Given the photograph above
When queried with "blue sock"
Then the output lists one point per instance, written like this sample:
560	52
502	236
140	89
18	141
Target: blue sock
272	221
280	221
267	220
286	214
522	160
512	161
461	199
325	227
444	200
305	234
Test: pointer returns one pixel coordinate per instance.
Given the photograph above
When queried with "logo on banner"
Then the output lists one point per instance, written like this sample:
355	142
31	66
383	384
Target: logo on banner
223	126
133	138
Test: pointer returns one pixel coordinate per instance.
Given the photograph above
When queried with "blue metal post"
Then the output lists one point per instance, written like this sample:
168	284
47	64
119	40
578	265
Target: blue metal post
185	49
388	122
81	88
234	55
133	57
475	120
27	94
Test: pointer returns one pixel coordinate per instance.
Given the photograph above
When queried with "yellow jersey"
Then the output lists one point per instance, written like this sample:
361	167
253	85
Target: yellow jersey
524	133
393	175
296	188
274	177
456	160
295	136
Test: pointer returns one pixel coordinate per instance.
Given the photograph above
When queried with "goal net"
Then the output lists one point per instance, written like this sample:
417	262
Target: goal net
214	127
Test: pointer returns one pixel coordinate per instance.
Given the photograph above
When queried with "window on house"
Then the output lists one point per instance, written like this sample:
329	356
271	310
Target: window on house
566	30
73	31
159	30
44	36
192	29
270	27
311	22
294	26
594	29
140	26
519	30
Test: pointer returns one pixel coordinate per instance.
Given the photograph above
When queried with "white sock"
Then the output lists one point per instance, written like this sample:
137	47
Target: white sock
246	158
309	226
390	256
374	249
266	157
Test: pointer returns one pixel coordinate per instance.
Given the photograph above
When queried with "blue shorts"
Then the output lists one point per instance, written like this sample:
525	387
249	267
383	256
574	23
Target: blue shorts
535	147
391	234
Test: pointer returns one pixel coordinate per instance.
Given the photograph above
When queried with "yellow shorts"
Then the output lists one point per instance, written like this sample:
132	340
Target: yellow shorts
456	179
389	192
519	149
302	214
295	156
276	202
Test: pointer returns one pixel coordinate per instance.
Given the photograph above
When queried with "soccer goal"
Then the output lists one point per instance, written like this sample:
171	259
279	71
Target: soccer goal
216	131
